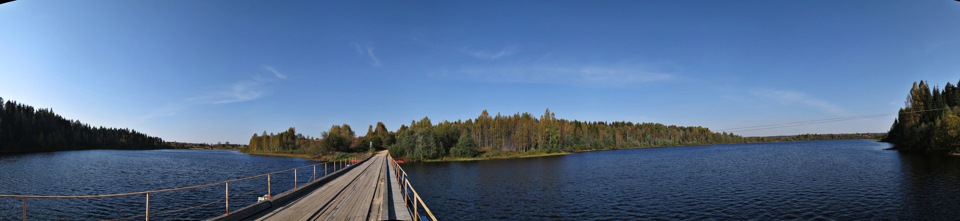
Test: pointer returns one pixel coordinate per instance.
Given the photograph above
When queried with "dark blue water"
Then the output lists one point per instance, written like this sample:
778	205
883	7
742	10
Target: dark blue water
832	180
118	171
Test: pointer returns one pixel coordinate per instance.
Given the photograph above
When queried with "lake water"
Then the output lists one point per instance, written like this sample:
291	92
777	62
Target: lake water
119	171
833	180
842	180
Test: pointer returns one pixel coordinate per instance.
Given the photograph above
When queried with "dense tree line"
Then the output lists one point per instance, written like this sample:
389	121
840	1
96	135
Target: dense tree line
205	146
522	132
929	120
24	128
504	134
284	142
804	137
339	138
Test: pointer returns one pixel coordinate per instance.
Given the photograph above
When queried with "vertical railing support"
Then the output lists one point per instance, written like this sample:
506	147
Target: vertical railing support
147	216
24	208
314	172
226	197
268	187
294	178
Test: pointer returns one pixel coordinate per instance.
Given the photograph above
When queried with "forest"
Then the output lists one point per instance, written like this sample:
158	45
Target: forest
490	135
339	138
929	120
24	128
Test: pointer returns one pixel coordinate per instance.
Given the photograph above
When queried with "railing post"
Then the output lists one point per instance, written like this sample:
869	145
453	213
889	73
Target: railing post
226	197
268	187
24	208
324	168
314	172
147	216
294	178
415	215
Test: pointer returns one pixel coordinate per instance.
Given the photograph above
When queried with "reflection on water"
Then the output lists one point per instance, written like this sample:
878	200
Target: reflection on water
930	183
851	179
118	171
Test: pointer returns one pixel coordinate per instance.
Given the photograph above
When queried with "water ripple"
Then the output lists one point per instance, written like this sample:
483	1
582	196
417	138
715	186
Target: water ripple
819	180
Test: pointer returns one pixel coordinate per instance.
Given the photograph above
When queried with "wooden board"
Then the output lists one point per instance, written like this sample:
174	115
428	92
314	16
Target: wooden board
358	194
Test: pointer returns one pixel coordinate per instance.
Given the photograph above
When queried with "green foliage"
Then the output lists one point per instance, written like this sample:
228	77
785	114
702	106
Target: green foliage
338	138
375	139
802	137
524	133
520	134
929	120
26	129
465	147
288	141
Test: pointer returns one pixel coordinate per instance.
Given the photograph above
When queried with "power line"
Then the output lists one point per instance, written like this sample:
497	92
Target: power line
817	121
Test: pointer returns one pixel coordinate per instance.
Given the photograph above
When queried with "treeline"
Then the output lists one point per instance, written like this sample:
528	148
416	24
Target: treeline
521	132
205	146
506	134
804	137
929	121
339	138
24	128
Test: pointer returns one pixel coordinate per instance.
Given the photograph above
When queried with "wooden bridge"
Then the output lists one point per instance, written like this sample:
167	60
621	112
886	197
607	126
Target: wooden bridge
370	190
374	188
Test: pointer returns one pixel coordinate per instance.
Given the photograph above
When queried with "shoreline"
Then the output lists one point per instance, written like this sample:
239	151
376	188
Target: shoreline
519	155
294	155
319	158
504	156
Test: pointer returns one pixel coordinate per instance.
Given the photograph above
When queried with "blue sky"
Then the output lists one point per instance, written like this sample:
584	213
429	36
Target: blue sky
209	71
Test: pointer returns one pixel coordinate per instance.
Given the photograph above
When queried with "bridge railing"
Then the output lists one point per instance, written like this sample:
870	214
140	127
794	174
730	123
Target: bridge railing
410	196
336	165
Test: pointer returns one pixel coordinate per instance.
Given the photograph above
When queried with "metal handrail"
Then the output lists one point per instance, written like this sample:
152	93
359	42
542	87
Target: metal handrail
405	183
338	165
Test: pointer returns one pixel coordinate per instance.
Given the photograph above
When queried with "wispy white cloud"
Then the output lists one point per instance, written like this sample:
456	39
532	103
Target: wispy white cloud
358	48
275	72
367	51
243	90
238	92
249	89
605	75
491	54
799	98
373	57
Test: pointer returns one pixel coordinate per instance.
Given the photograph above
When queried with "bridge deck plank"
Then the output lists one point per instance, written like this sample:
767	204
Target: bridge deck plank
356	195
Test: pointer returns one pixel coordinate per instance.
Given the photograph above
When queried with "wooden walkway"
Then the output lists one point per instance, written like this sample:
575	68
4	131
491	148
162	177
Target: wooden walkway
369	191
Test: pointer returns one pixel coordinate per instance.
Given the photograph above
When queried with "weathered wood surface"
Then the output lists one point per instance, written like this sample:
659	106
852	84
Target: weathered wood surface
393	206
358	194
